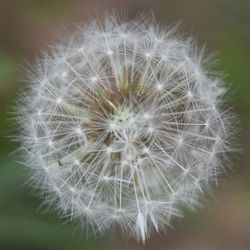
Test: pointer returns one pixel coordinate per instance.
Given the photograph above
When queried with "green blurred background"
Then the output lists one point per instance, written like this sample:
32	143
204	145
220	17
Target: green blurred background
28	26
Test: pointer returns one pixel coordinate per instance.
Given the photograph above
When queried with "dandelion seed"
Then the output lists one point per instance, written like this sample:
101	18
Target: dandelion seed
109	150
78	130
59	100
129	138
146	116
159	86
94	79
50	143
189	94
76	162
151	129
141	226
110	52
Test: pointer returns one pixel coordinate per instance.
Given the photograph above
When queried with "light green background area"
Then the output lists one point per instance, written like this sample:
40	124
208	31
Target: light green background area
27	26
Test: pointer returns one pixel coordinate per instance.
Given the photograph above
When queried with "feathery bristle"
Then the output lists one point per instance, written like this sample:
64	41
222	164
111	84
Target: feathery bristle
122	124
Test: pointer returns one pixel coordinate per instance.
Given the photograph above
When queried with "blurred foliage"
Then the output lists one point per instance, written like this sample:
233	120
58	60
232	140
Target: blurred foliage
41	10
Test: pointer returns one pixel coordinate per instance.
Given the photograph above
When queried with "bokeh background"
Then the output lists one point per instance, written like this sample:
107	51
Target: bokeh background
28	26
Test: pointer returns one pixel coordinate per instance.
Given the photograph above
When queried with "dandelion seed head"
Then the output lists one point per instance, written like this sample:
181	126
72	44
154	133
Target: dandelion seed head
127	124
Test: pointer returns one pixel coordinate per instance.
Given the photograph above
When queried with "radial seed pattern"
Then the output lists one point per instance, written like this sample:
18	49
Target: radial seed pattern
122	125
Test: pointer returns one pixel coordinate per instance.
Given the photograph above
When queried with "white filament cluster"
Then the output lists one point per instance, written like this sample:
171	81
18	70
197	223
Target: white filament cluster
122	125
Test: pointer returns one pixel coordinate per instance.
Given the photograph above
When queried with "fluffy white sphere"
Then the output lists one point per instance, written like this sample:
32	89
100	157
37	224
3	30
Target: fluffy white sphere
122	125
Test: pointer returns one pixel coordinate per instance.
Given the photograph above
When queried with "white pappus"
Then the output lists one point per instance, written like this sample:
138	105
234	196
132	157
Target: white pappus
122	124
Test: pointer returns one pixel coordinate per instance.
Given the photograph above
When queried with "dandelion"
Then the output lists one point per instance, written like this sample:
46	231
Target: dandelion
122	125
